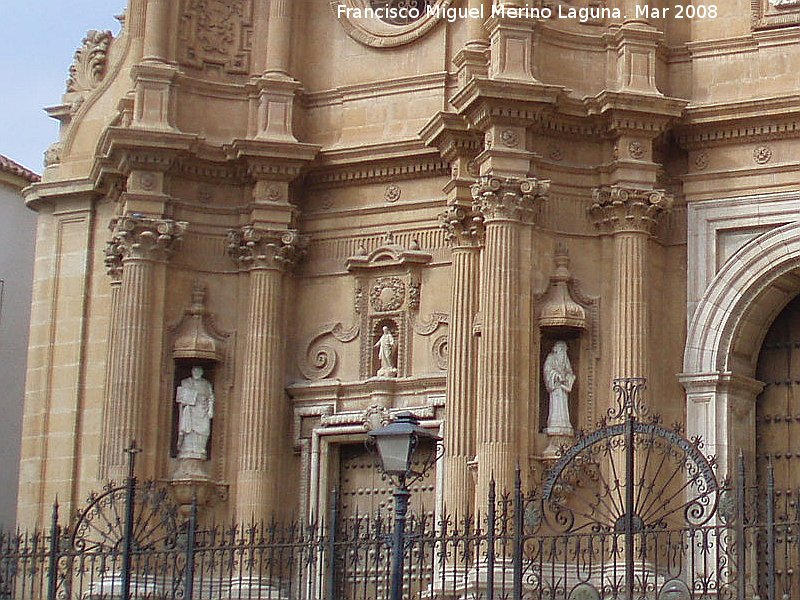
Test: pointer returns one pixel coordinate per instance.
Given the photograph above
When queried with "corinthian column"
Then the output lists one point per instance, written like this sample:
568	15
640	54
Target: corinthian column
630	215
141	244
266	254
505	203
464	230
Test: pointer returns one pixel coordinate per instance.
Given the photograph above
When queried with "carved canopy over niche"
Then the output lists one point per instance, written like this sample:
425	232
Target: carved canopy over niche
216	34
388	31
775	13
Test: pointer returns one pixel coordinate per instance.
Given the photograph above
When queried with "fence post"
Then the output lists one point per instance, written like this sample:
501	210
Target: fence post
191	533
130	500
52	567
770	531
518	532
491	518
741	559
330	575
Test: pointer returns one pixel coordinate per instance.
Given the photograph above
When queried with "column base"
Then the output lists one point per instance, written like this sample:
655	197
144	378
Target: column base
251	588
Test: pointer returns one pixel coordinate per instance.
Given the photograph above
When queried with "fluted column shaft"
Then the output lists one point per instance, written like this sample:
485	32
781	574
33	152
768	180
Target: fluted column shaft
465	234
156	31
261	419
279	37
630	306
141	243
262	415
630	215
497	399
504	203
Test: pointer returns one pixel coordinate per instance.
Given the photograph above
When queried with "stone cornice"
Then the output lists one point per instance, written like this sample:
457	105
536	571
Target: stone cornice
617	209
450	134
272	159
376	164
141	238
508	199
643	113
740	122
122	149
256	248
364	91
483	100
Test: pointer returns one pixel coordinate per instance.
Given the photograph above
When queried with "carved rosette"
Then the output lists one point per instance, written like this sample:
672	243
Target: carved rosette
253	247
89	64
508	198
462	226
142	238
616	208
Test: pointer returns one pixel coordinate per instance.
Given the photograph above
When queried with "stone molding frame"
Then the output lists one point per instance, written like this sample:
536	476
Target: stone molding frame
376	33
725	336
767	14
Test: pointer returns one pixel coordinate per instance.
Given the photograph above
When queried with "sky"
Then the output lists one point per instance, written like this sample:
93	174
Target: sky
37	41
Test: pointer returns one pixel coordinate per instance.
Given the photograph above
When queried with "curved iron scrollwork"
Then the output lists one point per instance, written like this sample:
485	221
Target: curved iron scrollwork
655	474
100	526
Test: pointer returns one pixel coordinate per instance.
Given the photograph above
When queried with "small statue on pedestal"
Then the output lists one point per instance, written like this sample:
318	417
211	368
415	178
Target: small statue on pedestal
386	349
195	398
558	379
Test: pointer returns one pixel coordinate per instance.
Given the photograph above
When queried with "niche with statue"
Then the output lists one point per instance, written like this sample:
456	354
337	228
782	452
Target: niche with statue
567	322
199	381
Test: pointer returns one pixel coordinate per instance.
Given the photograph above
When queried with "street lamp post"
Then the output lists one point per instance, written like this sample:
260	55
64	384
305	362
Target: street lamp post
395	445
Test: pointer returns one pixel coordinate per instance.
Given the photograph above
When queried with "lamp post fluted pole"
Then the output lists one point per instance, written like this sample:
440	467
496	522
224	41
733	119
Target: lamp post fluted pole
401	497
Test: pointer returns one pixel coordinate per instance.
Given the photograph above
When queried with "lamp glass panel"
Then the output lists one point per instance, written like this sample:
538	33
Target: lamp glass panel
394	453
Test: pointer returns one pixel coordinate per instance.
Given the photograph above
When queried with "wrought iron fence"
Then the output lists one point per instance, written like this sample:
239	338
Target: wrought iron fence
520	549
632	510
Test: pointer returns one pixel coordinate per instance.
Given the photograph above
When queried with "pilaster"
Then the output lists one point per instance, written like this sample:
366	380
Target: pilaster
139	244
504	203
630	215
266	255
634	47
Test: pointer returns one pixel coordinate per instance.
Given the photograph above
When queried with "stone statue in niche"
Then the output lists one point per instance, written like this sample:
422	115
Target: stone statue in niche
195	398
558	379
386	346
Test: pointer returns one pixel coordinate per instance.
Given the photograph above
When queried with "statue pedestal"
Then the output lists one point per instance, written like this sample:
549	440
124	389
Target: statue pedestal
190	480
557	437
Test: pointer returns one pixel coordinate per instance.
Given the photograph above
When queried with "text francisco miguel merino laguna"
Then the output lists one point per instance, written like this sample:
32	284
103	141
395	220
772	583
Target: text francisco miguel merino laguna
451	14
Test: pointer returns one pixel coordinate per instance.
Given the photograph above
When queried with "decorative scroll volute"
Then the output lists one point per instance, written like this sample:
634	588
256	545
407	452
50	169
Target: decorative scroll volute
253	247
142	238
89	64
508	198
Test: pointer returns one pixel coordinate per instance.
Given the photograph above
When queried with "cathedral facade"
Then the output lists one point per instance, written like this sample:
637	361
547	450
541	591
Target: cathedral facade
270	225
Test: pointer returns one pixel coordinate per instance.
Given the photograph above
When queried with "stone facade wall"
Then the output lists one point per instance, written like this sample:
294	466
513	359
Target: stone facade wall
287	182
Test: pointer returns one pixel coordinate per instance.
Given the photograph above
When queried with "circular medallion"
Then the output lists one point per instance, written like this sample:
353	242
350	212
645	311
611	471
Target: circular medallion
388	293
387	23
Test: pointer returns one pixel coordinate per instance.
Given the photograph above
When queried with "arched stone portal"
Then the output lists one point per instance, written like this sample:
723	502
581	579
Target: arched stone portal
725	336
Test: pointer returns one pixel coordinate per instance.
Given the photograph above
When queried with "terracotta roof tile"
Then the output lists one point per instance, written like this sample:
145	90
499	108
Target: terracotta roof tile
9	166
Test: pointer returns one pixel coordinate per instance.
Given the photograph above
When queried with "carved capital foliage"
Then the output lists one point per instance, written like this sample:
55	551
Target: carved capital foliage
616	208
89	64
142	238
462	226
254	247
508	198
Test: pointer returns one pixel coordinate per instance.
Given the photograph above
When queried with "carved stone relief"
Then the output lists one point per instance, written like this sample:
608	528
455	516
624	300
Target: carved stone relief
216	33
775	13
89	64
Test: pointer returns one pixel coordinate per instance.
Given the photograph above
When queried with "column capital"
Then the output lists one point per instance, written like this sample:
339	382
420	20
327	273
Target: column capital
508	198
616	208
463	227
258	248
135	237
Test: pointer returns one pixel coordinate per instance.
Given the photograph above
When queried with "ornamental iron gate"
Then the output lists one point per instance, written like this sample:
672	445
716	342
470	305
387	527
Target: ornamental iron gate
633	510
